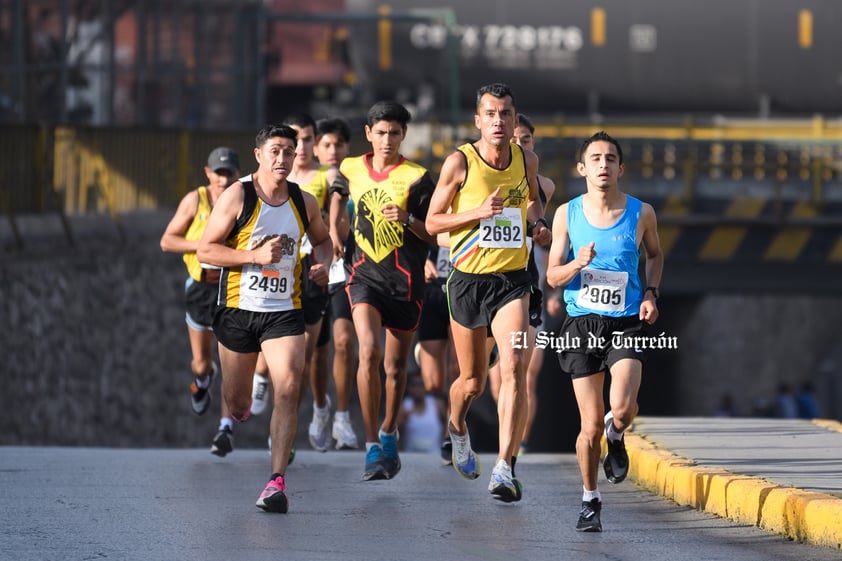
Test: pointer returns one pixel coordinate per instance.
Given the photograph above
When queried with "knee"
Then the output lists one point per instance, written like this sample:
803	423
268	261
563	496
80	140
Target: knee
343	346
369	354
470	387
592	432
513	363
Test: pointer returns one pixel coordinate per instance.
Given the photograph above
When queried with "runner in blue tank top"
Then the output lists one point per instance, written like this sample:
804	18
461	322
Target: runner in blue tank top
595	256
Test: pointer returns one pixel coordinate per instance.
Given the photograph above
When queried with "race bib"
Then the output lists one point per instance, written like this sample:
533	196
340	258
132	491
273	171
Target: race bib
443	265
604	291
306	247
336	273
270	282
503	230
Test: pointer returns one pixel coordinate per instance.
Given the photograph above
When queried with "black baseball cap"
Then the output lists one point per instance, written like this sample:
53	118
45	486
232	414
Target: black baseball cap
224	158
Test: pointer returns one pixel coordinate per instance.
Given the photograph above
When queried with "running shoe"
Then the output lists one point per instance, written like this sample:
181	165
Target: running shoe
616	463
503	485
374	466
273	499
319	431
223	442
200	397
343	433
391	460
446	452
465	461
589	517
259	394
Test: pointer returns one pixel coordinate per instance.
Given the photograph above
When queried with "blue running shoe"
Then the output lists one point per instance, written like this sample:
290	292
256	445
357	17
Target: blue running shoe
465	461
391	460
374	464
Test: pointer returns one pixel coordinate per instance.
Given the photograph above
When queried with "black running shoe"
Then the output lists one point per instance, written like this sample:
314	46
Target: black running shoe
589	517
446	452
223	442
200	398
616	463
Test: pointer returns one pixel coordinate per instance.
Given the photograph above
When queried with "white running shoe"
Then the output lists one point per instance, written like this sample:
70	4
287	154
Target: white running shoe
503	485
319	431
465	460
343	433
259	394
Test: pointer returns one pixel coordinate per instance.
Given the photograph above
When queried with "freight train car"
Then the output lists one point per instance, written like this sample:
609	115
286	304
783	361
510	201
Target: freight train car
749	57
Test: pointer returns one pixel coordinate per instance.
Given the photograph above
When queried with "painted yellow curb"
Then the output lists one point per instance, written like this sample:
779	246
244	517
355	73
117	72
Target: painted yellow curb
797	514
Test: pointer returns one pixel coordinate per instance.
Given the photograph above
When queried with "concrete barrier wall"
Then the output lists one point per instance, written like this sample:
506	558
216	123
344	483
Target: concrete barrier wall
94	346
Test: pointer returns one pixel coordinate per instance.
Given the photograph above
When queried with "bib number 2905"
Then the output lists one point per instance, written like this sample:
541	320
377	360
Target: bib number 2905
603	291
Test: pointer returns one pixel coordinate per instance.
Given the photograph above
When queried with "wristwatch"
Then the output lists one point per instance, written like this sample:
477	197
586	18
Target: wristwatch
654	290
410	220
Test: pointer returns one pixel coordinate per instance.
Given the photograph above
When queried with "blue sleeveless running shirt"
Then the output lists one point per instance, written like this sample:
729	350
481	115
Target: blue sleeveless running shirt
610	284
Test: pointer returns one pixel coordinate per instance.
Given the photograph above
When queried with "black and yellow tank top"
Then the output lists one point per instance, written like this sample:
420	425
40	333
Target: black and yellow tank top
266	288
387	256
496	244
195	231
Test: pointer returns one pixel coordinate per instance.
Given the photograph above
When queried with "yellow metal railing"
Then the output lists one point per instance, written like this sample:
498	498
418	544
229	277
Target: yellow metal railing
91	170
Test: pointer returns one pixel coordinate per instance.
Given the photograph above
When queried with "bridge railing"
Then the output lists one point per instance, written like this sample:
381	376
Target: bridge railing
76	170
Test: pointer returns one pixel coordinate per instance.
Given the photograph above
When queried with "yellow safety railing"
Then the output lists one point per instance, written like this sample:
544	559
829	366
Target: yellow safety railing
77	170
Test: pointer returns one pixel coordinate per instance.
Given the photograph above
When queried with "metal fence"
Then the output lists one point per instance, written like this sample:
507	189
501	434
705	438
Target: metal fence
93	170
78	170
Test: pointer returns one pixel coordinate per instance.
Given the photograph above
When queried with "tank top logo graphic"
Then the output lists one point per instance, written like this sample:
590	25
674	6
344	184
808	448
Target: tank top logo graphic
376	235
287	243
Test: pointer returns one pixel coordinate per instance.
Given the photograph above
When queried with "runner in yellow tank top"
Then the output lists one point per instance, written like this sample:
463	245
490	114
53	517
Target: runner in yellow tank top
182	235
486	196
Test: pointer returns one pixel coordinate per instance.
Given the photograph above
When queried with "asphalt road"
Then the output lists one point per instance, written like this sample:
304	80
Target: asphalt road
90	503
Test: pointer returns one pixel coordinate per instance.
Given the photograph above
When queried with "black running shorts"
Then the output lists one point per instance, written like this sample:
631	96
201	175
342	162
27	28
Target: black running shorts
595	342
435	319
394	314
473	300
340	307
315	307
200	301
242	331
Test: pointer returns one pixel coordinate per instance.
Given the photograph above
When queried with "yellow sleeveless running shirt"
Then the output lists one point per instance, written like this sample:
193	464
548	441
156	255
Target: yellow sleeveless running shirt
318	186
497	244
264	288
195	231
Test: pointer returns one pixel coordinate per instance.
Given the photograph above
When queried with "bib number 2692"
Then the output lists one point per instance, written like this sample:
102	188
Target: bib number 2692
503	230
